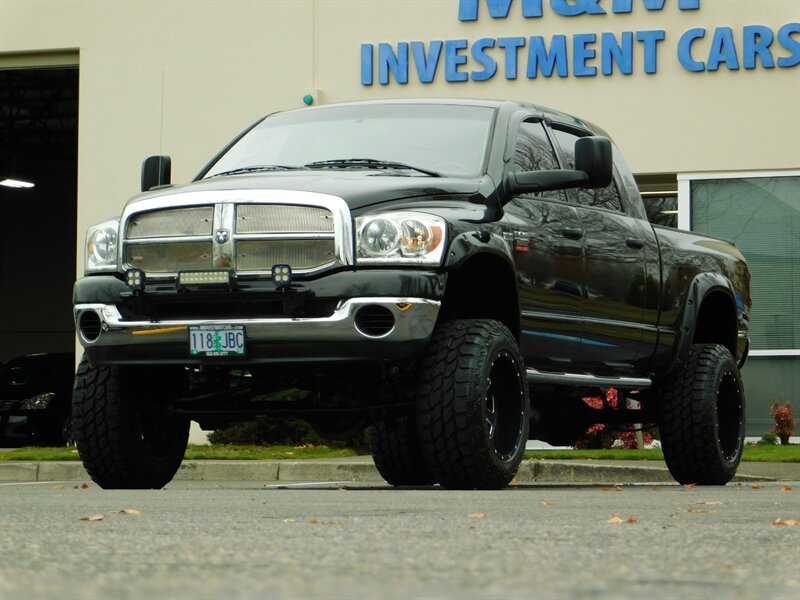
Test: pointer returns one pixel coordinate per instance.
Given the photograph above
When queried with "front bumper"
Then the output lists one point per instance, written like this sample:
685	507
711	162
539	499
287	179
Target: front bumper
118	337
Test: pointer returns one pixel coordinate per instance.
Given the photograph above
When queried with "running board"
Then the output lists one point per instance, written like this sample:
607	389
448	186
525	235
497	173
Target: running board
590	380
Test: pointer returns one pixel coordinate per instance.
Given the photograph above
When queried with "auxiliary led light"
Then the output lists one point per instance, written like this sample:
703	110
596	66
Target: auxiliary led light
204	278
282	276
135	279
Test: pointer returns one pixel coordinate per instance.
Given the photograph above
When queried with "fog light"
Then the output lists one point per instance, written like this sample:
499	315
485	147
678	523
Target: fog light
135	279
204	278
282	276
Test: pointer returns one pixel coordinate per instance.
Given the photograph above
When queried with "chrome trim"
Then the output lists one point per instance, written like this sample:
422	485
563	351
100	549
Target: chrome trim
415	321
537	376
224	202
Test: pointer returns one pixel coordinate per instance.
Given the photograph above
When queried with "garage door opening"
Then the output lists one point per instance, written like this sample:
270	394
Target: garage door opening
39	154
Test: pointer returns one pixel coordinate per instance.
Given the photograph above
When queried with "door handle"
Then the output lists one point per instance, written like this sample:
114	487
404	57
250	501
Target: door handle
634	243
572	233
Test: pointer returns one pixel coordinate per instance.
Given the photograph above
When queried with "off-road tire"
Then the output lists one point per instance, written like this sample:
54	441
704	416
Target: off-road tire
702	418
473	405
395	447
124	440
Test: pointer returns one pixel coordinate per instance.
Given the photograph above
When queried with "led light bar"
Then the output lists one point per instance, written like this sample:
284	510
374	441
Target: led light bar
204	278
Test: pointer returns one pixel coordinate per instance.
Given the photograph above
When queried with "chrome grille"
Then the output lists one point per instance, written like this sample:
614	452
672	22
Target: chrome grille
171	223
261	218
260	255
248	237
168	257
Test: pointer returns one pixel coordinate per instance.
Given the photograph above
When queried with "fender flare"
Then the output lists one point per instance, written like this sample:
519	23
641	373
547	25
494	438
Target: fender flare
701	287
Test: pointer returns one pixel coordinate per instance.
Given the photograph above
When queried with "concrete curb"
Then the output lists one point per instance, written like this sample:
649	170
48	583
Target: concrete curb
350	470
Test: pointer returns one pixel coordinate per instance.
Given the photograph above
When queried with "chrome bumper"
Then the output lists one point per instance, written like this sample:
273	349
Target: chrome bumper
414	320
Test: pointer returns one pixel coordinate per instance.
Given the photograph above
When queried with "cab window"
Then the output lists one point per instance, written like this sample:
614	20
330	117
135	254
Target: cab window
534	152
607	197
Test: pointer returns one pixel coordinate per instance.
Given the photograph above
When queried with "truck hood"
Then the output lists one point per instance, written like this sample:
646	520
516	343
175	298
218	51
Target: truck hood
358	188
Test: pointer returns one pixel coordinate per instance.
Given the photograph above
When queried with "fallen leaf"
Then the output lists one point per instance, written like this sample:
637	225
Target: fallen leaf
756	486
290	520
476	515
616	519
787	522
84	486
544	503
618	488
97	517
656	488
605	489
700	510
690	485
786	489
709	503
288	453
58	487
130	511
75	451
313	521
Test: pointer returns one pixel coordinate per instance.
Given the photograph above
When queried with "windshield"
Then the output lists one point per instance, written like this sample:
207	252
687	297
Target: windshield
448	139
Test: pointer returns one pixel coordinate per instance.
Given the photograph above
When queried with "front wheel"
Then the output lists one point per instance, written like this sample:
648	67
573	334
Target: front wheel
125	438
703	417
473	405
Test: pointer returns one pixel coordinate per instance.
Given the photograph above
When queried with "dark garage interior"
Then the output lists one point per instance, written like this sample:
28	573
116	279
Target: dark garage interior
38	145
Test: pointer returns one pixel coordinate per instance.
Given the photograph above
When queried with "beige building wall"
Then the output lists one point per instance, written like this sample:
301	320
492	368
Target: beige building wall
182	78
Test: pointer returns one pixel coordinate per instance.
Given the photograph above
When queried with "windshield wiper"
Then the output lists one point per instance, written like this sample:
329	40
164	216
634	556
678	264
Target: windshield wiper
256	169
367	163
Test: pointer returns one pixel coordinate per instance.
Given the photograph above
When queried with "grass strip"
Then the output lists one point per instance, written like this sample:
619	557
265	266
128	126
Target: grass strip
752	453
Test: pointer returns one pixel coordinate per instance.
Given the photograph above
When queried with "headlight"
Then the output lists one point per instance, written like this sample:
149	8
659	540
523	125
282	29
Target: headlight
401	238
101	247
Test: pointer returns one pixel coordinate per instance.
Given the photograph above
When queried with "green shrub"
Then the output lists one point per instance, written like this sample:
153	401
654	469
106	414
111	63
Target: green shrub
768	439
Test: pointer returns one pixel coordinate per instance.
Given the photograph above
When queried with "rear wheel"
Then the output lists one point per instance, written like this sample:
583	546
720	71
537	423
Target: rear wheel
473	405
395	447
125	438
703	418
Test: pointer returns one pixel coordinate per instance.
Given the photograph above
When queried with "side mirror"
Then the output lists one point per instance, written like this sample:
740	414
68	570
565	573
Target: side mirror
156	172
593	156
593	169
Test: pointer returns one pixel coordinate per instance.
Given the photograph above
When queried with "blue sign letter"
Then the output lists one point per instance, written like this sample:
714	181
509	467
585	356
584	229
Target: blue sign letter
366	64
685	49
625	6
538	58
389	62
578	7
723	49
581	54
757	40
792	45
426	64
488	63
512	46
650	40
498	9
612	52
452	59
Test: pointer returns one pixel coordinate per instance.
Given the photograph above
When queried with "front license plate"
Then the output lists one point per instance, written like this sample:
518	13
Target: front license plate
216	340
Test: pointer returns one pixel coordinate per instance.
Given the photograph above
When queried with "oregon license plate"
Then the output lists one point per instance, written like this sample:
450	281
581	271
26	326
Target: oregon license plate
216	340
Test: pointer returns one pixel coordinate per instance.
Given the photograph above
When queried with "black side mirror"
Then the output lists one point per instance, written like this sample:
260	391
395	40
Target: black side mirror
156	172
593	169
593	156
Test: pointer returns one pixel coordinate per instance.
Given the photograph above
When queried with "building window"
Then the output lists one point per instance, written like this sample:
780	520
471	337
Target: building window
760	213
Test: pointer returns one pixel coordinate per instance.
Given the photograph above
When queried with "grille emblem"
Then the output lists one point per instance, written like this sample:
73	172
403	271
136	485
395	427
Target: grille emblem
221	235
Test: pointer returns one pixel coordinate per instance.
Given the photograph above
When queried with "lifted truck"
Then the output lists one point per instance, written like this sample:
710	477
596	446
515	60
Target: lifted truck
455	275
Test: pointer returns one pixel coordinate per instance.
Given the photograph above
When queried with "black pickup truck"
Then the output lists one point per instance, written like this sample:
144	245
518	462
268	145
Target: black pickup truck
455	275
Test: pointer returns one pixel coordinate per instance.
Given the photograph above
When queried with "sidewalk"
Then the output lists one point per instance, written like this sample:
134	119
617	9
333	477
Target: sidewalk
361	468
